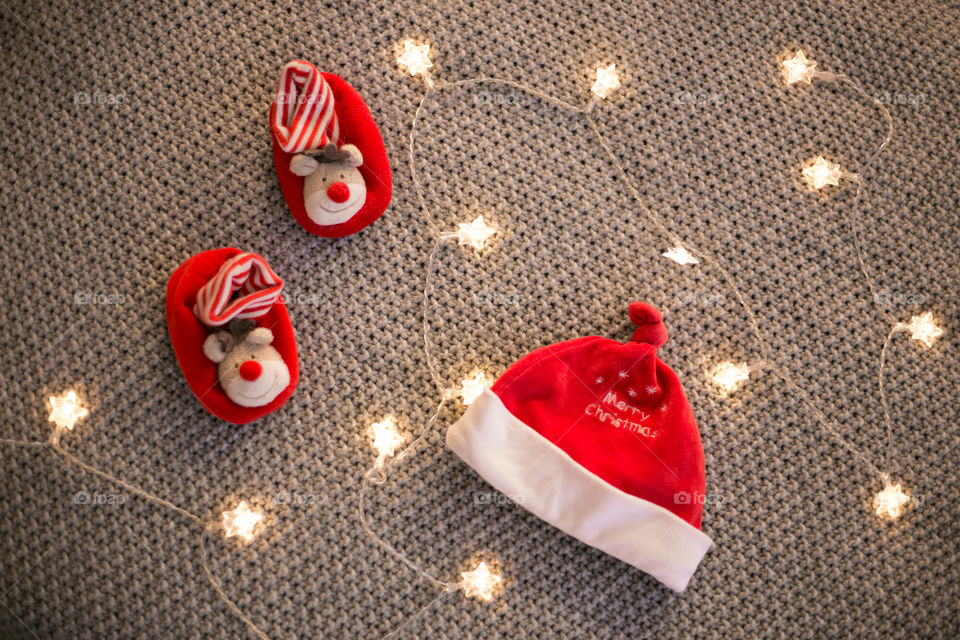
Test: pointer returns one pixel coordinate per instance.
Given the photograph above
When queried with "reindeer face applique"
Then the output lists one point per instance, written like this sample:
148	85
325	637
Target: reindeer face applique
333	188
251	371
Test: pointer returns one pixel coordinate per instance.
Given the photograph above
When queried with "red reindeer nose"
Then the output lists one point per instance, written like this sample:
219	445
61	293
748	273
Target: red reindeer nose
338	192
251	370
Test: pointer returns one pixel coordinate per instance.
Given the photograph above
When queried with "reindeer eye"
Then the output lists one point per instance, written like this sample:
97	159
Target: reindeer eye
341	176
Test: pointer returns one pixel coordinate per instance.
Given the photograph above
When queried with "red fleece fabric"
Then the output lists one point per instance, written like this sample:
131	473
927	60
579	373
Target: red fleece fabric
618	411
187	335
357	128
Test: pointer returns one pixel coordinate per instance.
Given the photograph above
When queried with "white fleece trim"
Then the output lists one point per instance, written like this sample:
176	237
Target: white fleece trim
523	464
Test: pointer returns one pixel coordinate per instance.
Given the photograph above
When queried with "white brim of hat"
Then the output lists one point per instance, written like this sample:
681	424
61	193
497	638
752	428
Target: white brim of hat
545	480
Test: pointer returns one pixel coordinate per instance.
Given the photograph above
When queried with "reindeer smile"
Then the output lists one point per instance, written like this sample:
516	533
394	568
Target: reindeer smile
333	188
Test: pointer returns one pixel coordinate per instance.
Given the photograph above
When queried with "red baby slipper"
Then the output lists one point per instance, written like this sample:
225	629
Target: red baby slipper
231	334
329	155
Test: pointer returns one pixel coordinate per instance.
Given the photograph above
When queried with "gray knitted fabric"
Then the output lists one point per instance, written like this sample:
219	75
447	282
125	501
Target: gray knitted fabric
136	136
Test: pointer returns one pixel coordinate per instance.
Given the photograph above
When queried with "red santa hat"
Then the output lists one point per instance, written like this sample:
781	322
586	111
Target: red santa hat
597	438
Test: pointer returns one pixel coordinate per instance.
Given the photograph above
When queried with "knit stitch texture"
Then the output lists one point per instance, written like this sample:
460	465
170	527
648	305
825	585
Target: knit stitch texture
136	135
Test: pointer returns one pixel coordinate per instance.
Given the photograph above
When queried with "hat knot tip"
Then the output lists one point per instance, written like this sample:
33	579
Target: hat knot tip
649	324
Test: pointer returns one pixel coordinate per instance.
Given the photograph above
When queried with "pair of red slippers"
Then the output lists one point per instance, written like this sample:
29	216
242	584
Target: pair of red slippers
229	327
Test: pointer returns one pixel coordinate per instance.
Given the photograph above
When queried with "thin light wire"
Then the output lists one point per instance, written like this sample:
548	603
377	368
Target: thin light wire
126	485
889	458
864	168
427	346
675	239
378	475
805	398
413	166
55	444
23	443
435	88
443	594
223	596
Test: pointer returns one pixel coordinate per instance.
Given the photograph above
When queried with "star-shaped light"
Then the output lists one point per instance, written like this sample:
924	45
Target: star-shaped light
480	583
607	81
241	521
471	388
415	57
67	410
475	233
891	501
386	438
798	68
680	255
822	172
730	376
923	328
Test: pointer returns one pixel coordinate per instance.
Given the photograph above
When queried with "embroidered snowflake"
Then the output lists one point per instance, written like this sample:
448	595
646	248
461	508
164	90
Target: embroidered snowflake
651	389
623	375
631	393
599	380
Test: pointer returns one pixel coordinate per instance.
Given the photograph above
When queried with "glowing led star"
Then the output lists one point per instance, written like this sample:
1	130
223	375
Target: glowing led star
415	57
67	410
607	81
891	501
241	521
923	328
480	583
730	376
798	68
822	172
680	256
471	388
386	438
475	233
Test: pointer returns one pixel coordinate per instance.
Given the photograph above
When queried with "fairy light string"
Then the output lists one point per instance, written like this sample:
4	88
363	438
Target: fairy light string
891	500
888	503
822	172
245	523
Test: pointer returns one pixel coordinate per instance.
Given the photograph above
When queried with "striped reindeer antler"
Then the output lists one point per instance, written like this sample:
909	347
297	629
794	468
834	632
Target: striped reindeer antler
303	115
248	273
